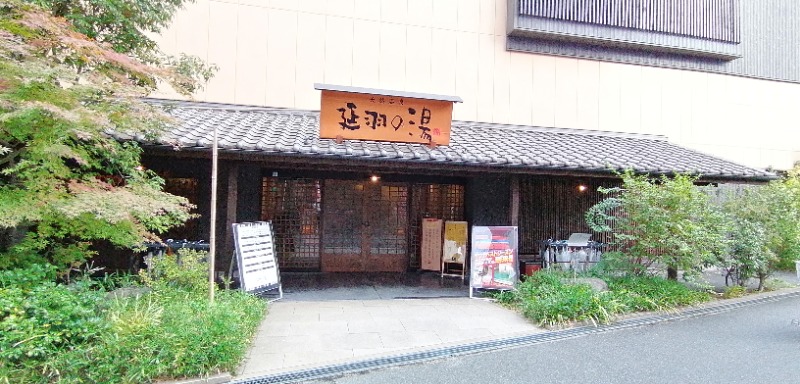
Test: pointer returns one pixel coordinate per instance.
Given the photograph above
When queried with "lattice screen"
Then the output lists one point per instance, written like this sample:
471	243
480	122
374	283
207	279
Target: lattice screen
343	205
389	224
555	208
294	206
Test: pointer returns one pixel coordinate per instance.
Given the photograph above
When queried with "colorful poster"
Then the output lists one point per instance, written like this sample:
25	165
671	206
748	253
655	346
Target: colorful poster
431	244
455	242
494	257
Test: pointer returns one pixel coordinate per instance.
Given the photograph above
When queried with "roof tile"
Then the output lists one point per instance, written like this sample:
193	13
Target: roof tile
291	131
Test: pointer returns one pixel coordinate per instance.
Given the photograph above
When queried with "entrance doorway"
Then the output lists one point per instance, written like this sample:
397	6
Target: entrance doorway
365	226
353	225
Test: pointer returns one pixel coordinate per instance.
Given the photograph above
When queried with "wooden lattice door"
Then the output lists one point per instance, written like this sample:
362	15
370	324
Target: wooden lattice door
364	227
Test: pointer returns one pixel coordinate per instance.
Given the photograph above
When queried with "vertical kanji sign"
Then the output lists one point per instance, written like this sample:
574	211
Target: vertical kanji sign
363	116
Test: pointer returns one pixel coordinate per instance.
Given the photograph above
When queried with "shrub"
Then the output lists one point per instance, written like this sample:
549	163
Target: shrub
548	299
749	255
187	270
41	320
666	221
545	299
734	292
650	293
75	333
773	209
168	336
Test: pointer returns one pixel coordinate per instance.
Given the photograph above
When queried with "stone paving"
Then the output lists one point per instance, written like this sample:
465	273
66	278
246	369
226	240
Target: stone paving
344	319
298	334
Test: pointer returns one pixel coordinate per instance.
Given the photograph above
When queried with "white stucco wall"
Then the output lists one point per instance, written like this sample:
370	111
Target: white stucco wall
270	52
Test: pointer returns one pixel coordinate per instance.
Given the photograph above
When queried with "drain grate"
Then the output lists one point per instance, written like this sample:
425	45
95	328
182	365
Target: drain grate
492	345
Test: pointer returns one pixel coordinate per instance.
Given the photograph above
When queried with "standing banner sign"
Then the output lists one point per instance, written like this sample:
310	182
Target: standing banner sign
494	258
455	248
255	255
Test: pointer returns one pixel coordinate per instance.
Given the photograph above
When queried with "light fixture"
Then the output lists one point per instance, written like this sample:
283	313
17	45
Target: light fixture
582	188
374	178
139	168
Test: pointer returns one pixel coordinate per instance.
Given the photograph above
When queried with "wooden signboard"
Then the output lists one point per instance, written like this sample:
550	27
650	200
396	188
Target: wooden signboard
255	255
431	244
365	116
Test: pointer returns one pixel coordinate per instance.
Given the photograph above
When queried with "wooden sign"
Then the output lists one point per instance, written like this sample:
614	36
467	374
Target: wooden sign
364	116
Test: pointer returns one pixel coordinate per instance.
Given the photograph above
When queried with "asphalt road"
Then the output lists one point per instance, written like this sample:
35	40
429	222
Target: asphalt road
754	344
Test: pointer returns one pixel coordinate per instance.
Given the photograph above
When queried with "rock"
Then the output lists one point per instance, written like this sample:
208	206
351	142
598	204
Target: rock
597	284
128	292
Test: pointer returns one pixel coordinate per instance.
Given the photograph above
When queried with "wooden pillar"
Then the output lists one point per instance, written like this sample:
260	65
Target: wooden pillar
514	206
230	212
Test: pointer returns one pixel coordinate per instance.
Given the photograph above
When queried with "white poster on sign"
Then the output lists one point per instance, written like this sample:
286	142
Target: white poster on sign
255	254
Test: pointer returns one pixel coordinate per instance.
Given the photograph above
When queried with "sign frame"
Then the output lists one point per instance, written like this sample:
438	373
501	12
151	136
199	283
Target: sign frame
459	241
256	258
488	244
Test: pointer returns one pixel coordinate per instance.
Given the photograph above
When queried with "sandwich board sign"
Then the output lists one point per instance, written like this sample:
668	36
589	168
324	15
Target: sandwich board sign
255	255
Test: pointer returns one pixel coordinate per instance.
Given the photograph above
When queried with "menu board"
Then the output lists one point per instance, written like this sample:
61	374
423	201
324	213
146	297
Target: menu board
493	262
454	249
431	244
455	242
256	256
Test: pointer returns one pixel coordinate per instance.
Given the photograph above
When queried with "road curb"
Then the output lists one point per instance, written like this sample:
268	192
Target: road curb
337	370
215	379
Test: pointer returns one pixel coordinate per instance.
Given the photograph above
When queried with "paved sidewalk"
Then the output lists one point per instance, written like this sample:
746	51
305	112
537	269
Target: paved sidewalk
301	334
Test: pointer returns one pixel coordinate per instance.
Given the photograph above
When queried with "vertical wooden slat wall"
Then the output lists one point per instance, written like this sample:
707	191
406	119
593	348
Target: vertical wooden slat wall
553	208
708	19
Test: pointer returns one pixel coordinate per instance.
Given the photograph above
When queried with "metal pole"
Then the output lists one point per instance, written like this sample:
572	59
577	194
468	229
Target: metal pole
212	237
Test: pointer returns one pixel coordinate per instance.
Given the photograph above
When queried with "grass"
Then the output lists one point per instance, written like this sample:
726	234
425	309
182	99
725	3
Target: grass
547	299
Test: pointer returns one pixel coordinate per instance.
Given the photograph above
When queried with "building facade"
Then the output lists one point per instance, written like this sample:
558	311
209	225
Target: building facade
556	95
271	52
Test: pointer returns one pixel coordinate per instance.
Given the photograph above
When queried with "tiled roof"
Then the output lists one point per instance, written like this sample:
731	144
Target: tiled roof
292	132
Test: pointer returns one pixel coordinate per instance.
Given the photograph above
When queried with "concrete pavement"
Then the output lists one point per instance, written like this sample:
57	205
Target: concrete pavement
302	334
755	343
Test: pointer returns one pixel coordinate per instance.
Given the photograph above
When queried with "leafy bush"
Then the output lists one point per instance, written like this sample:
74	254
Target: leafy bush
167	336
76	333
666	221
41	319
650	293
186	270
734	292
548	299
27	277
775	208
749	256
